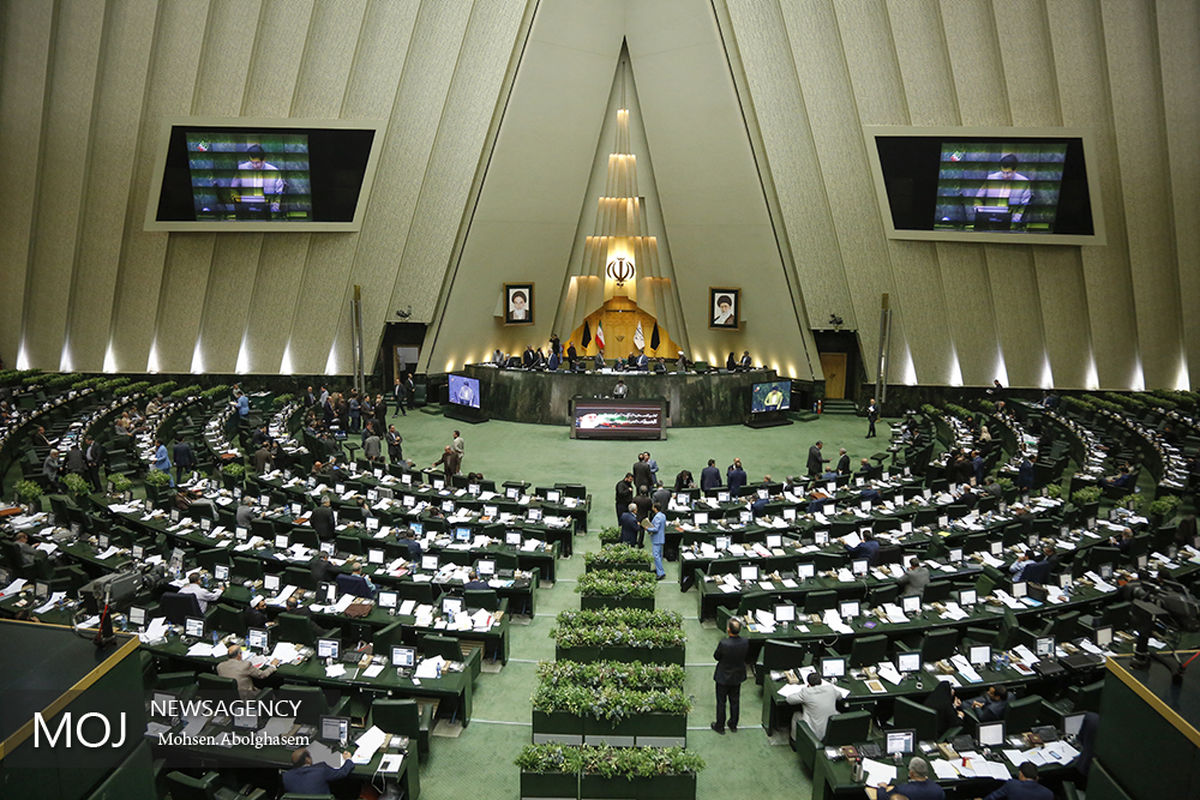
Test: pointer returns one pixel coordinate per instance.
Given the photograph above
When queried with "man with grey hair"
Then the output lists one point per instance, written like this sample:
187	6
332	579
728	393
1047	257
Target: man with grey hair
918	787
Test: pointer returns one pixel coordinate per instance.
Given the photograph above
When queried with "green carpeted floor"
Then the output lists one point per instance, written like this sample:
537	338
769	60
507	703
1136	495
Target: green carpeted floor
482	756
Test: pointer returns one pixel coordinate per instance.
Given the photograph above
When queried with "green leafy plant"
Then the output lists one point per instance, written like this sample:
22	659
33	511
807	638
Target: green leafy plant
929	410
639	762
1085	496
987	406
214	392
76	485
283	399
1135	502
1053	490
234	470
619	627
166	387
185	392
617	583
119	483
131	389
1164	507
28	492
618	556
549	758
610	535
1005	483
157	477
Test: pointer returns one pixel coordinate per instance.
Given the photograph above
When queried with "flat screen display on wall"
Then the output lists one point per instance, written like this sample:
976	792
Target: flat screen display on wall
266	176
1006	185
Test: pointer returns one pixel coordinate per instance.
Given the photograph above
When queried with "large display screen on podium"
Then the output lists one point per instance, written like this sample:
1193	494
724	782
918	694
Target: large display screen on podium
463	391
604	418
773	396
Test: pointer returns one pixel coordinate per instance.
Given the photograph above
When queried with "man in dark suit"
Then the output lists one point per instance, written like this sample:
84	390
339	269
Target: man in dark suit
395	445
183	457
1023	787
735	477
872	418
816	464
256	614
449	461
307	778
93	454
630	529
843	464
729	674
1025	473
624	493
322	570
710	476
642	474
322	520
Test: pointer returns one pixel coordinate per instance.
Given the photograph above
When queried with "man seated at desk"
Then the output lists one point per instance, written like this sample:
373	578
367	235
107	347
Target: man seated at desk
868	548
28	551
245	512
992	705
322	571
915	578
356	583
307	778
256	613
243	671
620	390
203	596
819	701
1023	787
473	581
918	787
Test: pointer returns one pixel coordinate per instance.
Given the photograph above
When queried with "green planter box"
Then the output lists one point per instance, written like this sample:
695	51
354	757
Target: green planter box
619	567
644	730
626	655
557	727
550	784
660	787
593	602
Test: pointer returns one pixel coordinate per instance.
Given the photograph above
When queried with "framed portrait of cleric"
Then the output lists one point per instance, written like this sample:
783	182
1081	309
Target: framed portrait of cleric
518	304
723	308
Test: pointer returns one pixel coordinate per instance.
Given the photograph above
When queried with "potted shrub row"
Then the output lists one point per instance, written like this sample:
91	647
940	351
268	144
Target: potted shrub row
619	556
616	589
620	635
604	772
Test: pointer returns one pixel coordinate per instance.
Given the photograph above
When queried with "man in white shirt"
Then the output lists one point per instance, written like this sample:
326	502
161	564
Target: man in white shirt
257	185
203	596
819	700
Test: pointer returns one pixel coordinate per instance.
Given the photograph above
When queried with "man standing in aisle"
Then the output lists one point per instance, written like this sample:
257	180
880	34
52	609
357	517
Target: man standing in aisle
624	494
729	674
658	538
816	464
872	418
459	446
710	476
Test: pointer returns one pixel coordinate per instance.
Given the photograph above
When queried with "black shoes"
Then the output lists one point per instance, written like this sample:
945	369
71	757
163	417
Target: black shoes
718	730
733	728
662	577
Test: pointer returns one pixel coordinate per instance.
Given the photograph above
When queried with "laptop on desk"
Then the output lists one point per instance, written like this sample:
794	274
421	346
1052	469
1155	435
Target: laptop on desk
993	218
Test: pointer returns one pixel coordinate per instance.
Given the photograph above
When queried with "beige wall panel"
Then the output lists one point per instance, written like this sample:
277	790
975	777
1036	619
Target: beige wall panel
1080	66
715	214
124	62
970	315
879	94
1179	48
24	63
782	113
470	103
1028	62
975	61
1061	289
279	51
920	47
837	132
227	301
181	299
379	59
274	302
329	57
319	301
1018	314
1135	80
169	89
229	38
74	57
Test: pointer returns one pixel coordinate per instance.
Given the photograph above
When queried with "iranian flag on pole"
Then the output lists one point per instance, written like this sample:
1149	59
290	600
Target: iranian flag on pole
599	336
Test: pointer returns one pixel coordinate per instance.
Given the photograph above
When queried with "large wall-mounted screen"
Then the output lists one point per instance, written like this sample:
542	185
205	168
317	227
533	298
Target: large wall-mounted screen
1005	185
280	175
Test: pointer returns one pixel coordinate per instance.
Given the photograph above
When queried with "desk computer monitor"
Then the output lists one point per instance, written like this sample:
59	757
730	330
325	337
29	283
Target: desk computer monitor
335	729
403	656
429	563
1104	636
448	506
387	599
41	589
956	555
418	529
722	497
372	523
248	722
439	483
271	583
789	514
1043	647
748	572
137	616
491	511
774	540
375	556
899	742
281	541
139	552
722	542
1020	589
512	538
328	648
485	567
908	662
462	534
239	533
980	655
553	496
329	548
966	597
997	547
911	604
700	517
820	537
296	509
258	639
833	667
221	572
534	515
452	605
785	613
194	627
990	734
859	566
848	609
804	571
1073	722
745	516
328	591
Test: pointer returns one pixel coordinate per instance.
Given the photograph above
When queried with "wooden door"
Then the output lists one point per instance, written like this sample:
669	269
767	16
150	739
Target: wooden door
834	367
